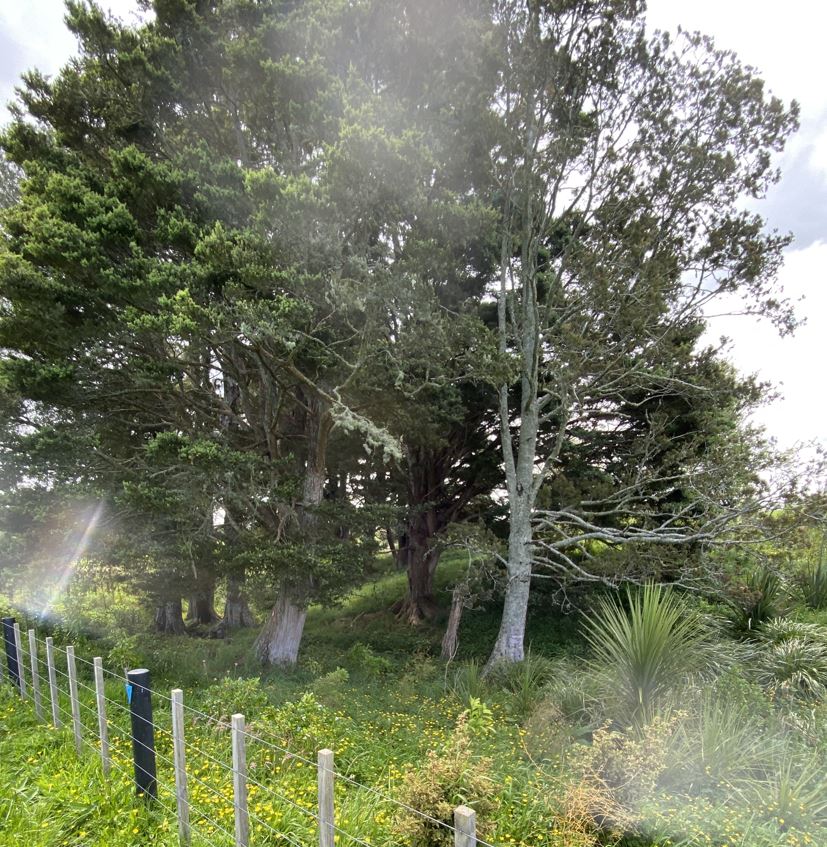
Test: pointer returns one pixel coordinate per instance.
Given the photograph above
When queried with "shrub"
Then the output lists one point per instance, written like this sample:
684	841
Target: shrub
446	779
362	658
644	651
525	681
795	667
616	773
813	585
756	601
330	687
468	682
231	696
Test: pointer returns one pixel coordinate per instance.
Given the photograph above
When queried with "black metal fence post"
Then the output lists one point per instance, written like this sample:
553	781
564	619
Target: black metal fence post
143	732
11	651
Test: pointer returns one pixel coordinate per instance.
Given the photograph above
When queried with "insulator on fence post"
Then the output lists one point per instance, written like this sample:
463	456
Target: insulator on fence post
179	756
465	827
103	728
38	704
18	643
54	694
242	819
327	830
73	696
11	651
139	695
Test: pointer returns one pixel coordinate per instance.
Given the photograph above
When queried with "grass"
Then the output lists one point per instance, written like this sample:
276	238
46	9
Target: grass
717	755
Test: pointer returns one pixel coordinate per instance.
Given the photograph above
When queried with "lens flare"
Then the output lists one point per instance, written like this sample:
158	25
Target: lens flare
67	566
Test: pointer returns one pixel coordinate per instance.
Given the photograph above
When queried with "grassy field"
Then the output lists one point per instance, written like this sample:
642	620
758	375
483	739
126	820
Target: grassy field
732	751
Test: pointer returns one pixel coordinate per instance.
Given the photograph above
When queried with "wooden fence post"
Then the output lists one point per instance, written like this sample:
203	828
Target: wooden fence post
465	827
327	830
38	704
54	694
180	760
242	819
103	729
20	666
73	695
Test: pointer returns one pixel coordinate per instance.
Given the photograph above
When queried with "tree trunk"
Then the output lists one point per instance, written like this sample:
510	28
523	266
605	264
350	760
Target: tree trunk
279	640
201	609
169	618
201	606
420	561
450	641
509	646
237	613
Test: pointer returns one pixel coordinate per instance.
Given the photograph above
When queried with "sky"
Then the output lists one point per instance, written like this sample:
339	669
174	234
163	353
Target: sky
785	44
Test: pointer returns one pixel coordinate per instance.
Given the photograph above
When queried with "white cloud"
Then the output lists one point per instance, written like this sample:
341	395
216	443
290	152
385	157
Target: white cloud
34	33
797	363
786	44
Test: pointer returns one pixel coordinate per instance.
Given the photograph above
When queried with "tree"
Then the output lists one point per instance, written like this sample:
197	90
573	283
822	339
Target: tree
221	210
620	168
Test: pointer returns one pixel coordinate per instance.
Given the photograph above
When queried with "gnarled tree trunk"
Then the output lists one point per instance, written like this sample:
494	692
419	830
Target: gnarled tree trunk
237	613
420	561
201	606
169	618
279	640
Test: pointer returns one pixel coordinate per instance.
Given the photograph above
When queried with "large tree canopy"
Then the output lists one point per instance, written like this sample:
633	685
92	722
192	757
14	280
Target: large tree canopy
281	275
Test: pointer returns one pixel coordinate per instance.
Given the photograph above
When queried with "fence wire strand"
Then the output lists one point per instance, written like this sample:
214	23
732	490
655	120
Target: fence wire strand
253	737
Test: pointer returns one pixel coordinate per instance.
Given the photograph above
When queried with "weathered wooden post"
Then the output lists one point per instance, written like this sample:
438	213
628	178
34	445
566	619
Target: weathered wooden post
465	827
327	830
21	667
73	696
180	760
38	704
242	819
11	651
139	695
103	729
54	693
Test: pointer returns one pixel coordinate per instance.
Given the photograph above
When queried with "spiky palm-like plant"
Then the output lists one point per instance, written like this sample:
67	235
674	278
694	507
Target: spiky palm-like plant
813	584
644	649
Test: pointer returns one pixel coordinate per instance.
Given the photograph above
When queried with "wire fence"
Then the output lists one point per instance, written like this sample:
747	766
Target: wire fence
212	808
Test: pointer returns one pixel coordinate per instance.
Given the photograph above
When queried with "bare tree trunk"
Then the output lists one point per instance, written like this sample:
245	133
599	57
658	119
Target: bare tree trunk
237	613
169	618
510	644
279	640
450	641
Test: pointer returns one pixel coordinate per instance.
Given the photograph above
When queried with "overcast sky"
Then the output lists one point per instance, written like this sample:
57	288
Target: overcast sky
785	43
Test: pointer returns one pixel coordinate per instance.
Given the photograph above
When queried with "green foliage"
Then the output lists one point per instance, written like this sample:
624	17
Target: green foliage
795	667
235	695
445	779
525	681
329	688
644	651
362	658
468	682
813	585
756	601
